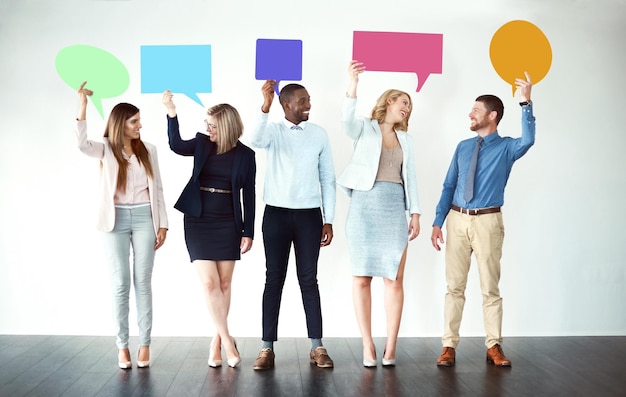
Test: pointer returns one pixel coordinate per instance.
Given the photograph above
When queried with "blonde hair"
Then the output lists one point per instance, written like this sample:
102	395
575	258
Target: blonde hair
114	131
379	112
229	126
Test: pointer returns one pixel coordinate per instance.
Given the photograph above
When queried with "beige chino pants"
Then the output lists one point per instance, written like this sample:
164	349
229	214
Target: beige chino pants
483	235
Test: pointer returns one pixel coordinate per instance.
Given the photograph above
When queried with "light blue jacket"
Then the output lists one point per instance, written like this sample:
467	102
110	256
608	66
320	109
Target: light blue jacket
360	174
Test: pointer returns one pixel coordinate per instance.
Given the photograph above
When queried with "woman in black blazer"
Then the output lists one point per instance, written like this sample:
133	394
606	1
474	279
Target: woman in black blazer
217	231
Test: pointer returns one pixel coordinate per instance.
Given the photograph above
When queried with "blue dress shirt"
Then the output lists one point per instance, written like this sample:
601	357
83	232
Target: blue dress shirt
495	161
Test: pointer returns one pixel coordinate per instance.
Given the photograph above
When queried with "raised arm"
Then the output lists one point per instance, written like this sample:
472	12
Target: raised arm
259	136
352	126
268	95
523	143
90	148
354	69
168	101
83	93
177	144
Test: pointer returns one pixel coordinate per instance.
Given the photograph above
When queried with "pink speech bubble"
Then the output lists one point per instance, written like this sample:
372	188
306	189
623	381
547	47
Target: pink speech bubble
421	53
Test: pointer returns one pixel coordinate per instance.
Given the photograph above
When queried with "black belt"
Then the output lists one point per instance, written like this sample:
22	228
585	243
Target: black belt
475	211
214	190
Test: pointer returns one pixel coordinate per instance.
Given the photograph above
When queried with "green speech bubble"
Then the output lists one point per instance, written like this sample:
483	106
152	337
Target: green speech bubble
106	76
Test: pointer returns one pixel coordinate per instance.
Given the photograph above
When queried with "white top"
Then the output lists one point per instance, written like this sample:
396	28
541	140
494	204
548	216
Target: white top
300	172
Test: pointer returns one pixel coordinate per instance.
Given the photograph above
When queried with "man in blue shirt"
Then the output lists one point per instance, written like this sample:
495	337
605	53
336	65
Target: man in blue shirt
299	178
472	196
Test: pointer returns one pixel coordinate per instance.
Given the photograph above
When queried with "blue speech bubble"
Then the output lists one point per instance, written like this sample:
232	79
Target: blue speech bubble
278	60
184	69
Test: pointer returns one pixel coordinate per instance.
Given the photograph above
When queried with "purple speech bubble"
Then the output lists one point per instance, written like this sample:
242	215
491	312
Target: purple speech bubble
421	53
278	60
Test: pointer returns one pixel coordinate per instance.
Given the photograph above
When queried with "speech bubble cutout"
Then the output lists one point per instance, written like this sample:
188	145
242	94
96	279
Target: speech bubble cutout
518	47
184	69
421	53
106	75
278	60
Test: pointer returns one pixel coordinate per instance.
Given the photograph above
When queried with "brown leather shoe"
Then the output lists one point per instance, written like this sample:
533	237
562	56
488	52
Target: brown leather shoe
496	356
447	357
265	360
320	357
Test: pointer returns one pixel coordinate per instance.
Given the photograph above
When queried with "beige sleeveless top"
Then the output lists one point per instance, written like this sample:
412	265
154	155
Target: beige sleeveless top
390	165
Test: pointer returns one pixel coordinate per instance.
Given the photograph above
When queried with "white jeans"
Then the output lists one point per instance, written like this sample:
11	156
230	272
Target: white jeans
133	227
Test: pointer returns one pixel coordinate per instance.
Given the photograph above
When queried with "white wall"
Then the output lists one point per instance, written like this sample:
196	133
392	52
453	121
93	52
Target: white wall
564	253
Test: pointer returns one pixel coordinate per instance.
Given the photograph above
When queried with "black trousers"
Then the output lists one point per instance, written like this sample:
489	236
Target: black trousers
281	228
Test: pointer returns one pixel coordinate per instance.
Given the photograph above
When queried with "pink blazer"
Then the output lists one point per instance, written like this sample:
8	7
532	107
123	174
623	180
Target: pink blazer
108	180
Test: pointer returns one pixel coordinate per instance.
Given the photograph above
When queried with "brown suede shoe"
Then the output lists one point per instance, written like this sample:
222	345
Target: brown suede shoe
265	360
496	356
320	357
447	357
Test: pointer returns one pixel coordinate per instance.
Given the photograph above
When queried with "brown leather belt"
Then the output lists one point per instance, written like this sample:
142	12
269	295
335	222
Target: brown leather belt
475	211
214	190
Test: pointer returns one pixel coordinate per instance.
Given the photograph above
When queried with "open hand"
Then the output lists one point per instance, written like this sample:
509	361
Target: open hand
524	87
436	237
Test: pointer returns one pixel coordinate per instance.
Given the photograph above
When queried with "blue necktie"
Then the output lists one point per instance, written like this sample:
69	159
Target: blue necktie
296	127
471	172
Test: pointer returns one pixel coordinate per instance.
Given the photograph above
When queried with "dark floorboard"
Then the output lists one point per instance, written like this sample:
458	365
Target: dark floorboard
84	366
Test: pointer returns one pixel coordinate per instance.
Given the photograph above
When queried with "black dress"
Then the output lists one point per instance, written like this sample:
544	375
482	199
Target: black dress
214	235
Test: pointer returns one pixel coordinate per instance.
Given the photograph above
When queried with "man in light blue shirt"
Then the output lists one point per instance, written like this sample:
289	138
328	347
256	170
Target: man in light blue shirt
299	179
472	196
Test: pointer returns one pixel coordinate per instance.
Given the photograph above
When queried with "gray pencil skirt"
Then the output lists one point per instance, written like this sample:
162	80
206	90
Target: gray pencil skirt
377	230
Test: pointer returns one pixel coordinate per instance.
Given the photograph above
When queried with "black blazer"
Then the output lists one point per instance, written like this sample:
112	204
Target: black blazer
242	179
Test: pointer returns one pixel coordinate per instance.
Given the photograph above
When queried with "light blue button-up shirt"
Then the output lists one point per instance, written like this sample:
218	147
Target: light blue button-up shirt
495	161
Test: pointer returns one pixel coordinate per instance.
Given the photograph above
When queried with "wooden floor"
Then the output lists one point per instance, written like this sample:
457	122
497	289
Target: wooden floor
87	366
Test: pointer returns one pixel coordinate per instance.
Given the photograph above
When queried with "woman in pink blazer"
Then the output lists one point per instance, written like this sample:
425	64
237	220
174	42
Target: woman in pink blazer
131	213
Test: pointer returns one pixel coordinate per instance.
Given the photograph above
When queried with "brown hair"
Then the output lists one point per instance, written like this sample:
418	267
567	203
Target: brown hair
114	131
380	109
229	126
492	103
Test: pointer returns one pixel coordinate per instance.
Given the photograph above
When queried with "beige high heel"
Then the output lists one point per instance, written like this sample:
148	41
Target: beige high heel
388	362
143	364
235	361
368	363
121	360
214	363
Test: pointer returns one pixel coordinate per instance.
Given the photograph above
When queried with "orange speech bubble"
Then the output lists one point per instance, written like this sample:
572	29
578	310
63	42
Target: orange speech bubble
518	47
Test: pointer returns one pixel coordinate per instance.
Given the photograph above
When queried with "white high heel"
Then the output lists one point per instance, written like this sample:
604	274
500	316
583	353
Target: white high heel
367	363
143	364
214	363
235	361
121	362
388	362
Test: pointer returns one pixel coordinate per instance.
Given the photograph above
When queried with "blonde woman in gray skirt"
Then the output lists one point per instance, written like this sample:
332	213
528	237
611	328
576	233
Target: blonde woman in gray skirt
381	182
